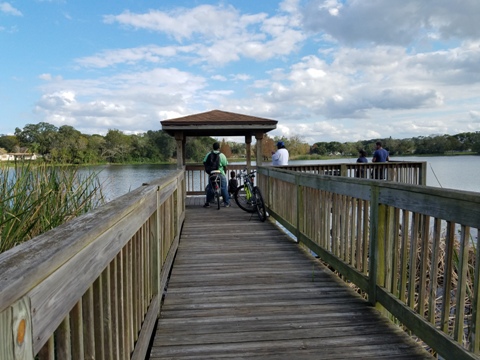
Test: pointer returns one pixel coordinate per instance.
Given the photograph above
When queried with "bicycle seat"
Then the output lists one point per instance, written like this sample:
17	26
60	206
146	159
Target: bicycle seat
213	172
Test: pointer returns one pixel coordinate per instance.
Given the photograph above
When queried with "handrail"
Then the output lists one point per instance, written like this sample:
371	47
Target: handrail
411	172
408	172
91	288
410	248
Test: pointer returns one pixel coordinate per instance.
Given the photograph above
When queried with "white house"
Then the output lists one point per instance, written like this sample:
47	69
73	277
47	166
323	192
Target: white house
17	156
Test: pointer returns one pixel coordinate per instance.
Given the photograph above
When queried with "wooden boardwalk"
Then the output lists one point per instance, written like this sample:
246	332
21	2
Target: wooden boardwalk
242	289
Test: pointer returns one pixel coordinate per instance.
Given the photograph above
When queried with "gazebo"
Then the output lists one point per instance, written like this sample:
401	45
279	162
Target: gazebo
219	123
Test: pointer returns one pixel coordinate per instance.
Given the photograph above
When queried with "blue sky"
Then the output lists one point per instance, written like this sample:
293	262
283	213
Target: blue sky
327	70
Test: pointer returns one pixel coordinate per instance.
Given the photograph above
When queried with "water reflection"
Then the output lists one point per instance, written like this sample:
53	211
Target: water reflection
118	180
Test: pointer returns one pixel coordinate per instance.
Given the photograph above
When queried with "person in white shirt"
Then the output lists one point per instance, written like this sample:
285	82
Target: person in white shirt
280	157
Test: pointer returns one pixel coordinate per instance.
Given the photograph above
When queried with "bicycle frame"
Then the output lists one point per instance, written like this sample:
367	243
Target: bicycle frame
252	195
215	183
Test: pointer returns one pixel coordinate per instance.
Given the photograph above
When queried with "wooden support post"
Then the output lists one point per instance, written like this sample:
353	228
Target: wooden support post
157	250
248	142
373	250
300	208
16	338
258	148
180	139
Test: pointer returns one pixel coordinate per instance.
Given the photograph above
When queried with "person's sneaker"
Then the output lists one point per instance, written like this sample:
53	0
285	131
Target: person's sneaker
206	205
226	205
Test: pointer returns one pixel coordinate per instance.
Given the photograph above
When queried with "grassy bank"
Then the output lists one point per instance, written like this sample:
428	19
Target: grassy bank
37	198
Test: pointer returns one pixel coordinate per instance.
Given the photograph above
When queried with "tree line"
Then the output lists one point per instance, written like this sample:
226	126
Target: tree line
422	145
66	145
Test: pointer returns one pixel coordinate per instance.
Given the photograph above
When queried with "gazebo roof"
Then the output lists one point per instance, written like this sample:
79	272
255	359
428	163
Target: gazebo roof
218	123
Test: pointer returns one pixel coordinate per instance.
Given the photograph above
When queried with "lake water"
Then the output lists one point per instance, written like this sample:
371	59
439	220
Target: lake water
453	172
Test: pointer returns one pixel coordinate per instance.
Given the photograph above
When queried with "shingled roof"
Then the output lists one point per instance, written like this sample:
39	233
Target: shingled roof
218	123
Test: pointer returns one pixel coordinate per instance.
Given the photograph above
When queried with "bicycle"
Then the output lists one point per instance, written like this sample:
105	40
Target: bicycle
215	183
248	196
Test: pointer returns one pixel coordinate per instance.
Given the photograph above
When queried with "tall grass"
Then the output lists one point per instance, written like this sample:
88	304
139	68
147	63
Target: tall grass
37	198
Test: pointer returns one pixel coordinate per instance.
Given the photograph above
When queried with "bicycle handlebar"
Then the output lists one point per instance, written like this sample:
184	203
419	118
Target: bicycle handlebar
244	173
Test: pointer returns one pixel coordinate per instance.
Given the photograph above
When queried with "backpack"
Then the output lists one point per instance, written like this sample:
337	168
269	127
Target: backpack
212	162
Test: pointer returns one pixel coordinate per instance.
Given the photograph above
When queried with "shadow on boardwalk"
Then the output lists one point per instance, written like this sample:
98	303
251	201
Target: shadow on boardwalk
242	289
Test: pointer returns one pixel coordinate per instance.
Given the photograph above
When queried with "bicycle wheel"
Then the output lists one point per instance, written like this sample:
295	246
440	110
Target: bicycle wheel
243	203
262	213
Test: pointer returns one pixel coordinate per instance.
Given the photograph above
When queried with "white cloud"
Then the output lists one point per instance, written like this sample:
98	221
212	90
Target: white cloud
150	54
219	78
394	22
225	35
241	77
122	101
7	8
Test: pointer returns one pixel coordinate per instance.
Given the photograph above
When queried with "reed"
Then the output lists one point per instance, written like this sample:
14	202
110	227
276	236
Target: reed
37	198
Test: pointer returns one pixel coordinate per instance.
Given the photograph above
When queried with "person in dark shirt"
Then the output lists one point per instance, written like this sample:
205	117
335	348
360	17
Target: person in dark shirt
232	183
362	158
380	155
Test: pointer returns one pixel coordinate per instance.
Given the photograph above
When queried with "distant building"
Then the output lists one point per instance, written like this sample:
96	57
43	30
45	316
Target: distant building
18	156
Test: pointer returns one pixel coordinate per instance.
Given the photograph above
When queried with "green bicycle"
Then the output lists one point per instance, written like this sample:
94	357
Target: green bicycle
248	196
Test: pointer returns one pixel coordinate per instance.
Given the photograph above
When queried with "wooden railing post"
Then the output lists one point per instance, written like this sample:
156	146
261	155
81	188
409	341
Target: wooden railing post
423	174
157	257
373	250
300	208
16	338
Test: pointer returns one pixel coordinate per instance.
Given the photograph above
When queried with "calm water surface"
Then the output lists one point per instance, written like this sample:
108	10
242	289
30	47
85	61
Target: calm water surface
453	172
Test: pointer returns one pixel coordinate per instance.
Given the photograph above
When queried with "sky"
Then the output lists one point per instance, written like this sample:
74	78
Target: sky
326	70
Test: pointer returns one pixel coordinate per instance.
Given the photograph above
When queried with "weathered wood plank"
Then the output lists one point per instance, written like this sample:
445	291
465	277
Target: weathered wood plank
244	290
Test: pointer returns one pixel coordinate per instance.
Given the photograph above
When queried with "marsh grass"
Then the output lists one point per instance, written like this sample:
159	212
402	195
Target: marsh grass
442	268
37	198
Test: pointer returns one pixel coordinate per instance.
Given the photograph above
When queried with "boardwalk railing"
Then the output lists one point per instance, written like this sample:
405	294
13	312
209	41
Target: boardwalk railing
404	172
408	172
410	248
91	288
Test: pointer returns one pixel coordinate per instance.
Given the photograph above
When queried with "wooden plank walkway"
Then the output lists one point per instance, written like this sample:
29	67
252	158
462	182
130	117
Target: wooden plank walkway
242	289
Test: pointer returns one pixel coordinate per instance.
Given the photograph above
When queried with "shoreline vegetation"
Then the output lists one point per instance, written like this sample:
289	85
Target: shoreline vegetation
36	198
66	145
231	159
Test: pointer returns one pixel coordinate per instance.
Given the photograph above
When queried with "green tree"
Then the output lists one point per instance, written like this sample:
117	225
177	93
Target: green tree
296	145
161	145
474	142
197	147
9	142
117	146
95	146
68	146
37	137
319	148
238	149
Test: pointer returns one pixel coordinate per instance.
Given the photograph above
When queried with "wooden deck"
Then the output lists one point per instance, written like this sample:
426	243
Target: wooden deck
242	289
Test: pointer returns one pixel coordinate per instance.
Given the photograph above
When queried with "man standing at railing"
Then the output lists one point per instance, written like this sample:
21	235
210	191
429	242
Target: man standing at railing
380	155
222	162
280	157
